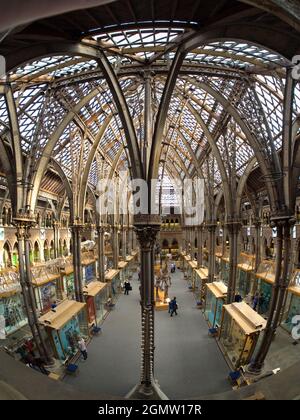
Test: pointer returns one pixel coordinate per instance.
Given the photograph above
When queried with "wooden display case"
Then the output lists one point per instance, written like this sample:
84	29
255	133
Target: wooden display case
11	302
201	278
191	275
113	278
64	325
266	278
44	280
292	306
239	333
216	294
224	271
96	296
245	275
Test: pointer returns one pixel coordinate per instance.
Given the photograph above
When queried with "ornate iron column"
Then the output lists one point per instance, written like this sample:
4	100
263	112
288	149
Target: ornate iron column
283	225
147	228
76	229
101	253
234	228
23	225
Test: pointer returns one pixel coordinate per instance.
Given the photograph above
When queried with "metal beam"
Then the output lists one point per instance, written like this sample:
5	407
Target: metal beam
161	118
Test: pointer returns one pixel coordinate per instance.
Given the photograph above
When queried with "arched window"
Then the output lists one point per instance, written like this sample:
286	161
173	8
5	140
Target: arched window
65	248
36	252
46	251
175	244
165	243
52	253
15	255
60	246
7	256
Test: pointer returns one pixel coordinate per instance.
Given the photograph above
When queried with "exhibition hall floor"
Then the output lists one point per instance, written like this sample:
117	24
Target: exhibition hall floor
188	362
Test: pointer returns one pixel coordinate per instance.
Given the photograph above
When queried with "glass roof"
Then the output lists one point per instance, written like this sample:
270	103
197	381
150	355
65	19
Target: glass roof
67	97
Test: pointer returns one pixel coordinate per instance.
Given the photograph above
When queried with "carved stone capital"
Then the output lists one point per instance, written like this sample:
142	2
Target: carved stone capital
146	235
23	224
282	221
76	227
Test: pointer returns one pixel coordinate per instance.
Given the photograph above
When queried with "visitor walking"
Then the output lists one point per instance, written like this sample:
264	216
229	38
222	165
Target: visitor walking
82	348
127	287
255	301
174	307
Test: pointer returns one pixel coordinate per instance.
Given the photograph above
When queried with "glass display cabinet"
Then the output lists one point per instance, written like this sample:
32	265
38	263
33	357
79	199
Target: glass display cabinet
224	273
266	278
113	278
205	257
216	294
131	266
88	262
122	266
67	275
201	277
44	280
11	302
185	264
65	326
239	333
96	296
191	275
218	260
292	307
245	275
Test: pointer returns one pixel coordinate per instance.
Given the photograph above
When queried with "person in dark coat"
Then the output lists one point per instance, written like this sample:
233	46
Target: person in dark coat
127	287
174	306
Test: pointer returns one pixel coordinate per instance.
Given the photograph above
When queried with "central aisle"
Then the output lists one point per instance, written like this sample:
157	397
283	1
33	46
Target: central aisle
188	362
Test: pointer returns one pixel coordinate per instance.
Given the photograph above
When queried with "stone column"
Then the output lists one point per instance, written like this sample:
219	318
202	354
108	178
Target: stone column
76	230
211	227
56	226
115	246
257	225
101	253
200	246
147	228
129	240
234	228
124	243
23	225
